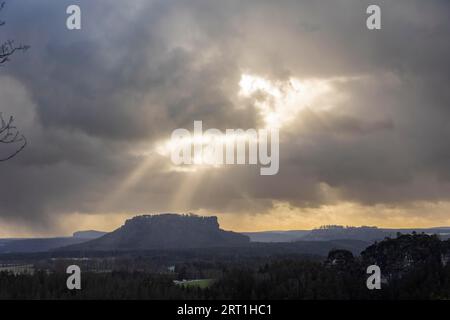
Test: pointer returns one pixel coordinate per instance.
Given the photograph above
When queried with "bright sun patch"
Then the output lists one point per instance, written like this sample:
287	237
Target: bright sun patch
279	102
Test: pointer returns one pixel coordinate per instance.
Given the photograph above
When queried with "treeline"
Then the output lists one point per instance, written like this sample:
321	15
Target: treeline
412	267
116	285
415	266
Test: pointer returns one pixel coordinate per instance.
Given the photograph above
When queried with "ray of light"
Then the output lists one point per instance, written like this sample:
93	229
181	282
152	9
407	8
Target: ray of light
189	185
129	182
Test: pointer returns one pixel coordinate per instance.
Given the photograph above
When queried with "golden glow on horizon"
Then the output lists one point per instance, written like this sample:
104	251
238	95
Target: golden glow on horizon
281	217
285	217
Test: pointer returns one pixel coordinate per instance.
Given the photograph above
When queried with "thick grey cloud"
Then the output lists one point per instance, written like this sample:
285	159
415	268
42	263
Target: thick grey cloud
87	100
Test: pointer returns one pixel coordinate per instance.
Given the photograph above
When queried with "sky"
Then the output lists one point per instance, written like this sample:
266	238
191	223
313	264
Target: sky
363	115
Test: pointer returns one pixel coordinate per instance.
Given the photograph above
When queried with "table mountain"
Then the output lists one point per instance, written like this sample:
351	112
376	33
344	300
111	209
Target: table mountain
165	231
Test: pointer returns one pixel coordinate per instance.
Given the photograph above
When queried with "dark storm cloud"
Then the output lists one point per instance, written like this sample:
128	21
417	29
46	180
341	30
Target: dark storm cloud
136	71
119	77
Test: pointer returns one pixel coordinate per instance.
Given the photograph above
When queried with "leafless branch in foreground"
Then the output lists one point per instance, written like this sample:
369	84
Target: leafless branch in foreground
9	134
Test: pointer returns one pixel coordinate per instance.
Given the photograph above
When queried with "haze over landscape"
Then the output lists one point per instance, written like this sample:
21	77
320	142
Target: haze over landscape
363	116
171	231
226	151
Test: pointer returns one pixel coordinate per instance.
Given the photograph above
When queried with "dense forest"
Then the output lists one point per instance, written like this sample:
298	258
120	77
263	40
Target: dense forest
413	267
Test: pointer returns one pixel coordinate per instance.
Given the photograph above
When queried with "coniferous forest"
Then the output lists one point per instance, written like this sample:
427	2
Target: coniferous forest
412	267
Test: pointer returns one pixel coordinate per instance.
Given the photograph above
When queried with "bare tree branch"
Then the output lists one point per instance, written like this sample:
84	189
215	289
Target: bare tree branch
8	48
9	134
2	5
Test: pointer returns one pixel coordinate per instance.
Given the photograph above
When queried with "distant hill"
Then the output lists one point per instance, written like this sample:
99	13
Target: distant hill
165	231
331	233
277	236
33	245
172	231
37	245
88	234
366	233
339	232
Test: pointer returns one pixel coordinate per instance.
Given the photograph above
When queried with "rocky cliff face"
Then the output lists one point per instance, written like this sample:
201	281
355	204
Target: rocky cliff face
165	231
